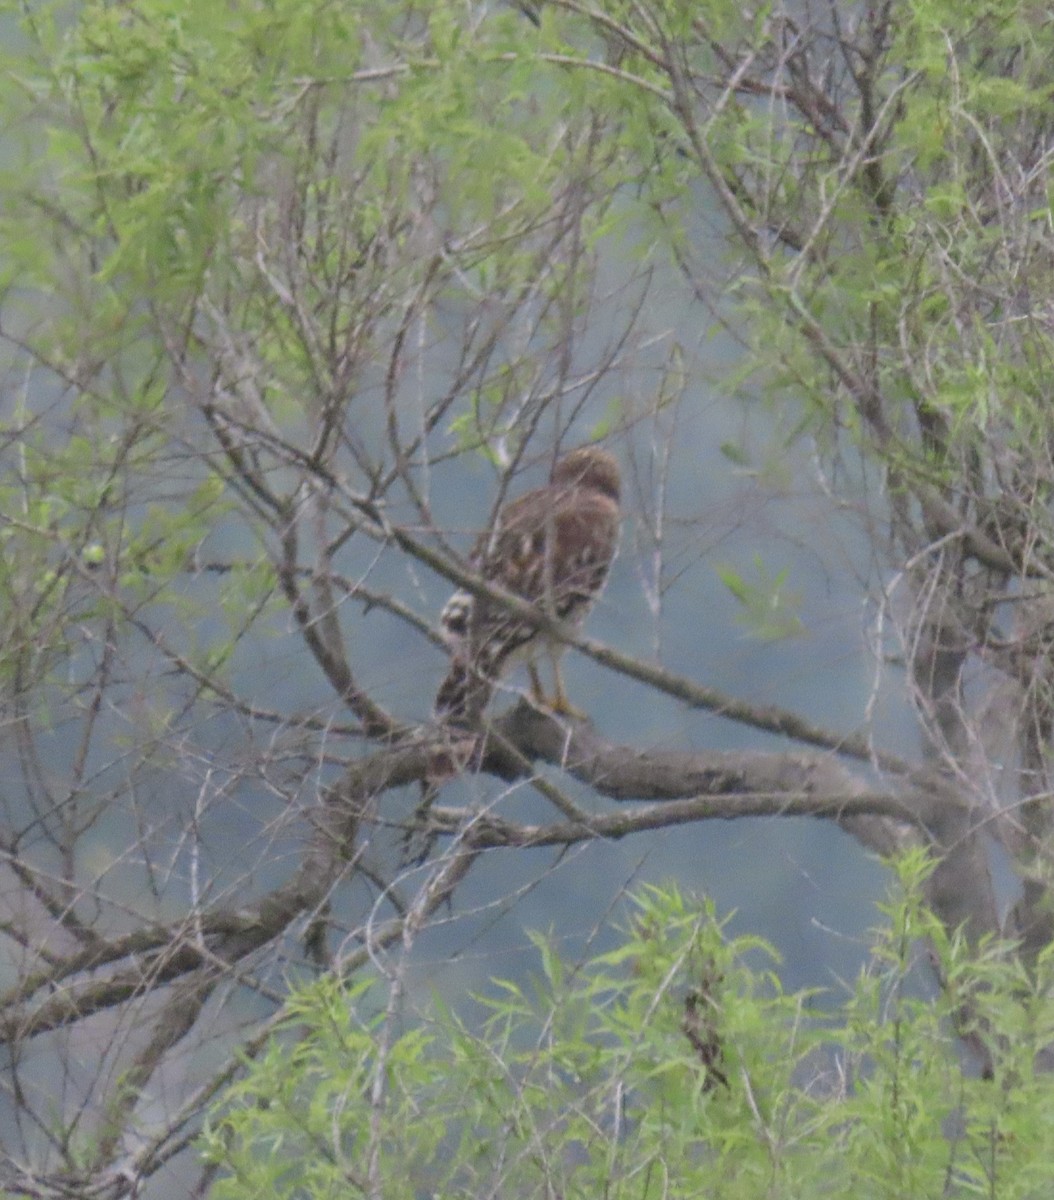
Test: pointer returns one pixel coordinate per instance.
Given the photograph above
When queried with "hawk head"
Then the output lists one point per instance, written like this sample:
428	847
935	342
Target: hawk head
589	468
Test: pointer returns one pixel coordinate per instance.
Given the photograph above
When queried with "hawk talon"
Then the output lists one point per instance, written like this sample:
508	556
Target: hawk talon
563	707
558	703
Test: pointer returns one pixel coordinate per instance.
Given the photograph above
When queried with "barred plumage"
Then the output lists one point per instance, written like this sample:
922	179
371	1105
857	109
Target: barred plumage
552	546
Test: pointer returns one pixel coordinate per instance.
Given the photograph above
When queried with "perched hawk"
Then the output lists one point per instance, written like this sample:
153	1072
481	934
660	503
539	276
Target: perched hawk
553	547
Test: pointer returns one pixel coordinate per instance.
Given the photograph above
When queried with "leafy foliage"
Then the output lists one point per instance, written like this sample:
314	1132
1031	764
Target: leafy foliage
674	1064
768	608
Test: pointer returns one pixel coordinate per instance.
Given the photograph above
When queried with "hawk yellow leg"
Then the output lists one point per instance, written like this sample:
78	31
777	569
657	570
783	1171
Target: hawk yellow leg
558	702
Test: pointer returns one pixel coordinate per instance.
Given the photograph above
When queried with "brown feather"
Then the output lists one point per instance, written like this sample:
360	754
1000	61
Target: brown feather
552	546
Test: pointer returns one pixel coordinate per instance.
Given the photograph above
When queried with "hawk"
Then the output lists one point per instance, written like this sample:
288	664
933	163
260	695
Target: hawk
552	546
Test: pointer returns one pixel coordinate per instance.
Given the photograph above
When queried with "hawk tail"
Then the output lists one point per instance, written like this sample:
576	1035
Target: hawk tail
462	696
